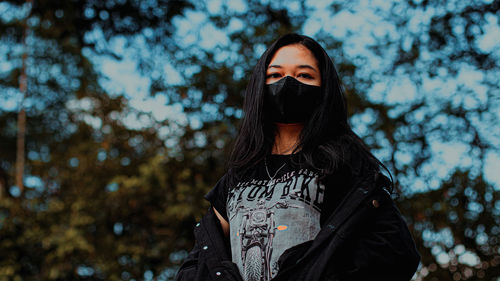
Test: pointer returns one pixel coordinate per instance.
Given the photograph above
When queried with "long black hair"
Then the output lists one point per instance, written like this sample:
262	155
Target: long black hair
325	143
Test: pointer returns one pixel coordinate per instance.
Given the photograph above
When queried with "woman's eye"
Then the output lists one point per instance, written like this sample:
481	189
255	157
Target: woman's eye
273	75
305	75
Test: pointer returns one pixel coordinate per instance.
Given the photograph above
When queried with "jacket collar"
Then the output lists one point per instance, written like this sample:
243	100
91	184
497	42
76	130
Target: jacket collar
353	204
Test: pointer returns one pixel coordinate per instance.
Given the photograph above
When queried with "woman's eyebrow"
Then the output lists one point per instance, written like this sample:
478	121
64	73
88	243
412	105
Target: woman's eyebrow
274	65
307	66
299	66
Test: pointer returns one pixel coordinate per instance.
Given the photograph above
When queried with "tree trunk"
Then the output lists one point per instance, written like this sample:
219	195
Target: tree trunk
21	117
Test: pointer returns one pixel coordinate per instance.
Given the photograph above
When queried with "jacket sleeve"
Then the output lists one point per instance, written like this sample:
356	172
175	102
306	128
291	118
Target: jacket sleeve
189	267
382	248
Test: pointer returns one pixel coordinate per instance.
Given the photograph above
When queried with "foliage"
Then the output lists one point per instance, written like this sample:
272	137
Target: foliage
108	201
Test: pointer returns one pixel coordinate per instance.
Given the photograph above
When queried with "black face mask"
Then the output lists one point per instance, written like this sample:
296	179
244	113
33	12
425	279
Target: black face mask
290	101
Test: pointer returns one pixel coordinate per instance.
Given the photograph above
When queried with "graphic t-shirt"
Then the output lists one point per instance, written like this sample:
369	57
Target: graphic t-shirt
266	216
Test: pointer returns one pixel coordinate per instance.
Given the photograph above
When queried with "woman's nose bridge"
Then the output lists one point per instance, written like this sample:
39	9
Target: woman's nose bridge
289	70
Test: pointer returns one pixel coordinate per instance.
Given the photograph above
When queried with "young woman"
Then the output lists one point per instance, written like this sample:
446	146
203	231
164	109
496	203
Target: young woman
303	198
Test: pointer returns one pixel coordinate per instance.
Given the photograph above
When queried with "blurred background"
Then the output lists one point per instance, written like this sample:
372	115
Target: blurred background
116	117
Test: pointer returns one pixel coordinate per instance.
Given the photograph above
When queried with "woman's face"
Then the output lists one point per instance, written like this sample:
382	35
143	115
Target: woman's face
296	61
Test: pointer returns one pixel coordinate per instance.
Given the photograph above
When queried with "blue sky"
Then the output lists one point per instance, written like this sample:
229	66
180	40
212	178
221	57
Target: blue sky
357	27
364	23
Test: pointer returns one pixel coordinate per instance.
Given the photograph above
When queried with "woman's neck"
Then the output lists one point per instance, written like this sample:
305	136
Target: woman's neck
287	137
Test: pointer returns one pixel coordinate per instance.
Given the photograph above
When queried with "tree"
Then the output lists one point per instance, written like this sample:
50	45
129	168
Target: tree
108	201
60	228
455	218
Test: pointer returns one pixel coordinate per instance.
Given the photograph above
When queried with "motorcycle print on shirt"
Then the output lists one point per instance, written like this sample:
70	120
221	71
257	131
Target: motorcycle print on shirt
267	217
256	239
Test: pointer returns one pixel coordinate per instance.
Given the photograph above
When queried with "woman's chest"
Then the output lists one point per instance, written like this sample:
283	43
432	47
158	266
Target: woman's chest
269	216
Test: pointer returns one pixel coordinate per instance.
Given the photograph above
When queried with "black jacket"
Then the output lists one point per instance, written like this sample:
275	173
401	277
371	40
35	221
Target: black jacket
365	238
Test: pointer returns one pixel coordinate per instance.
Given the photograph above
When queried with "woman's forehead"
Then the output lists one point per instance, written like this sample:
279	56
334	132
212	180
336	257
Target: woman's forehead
293	56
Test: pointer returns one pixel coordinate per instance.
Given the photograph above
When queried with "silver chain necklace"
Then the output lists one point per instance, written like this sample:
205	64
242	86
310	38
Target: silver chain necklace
267	170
